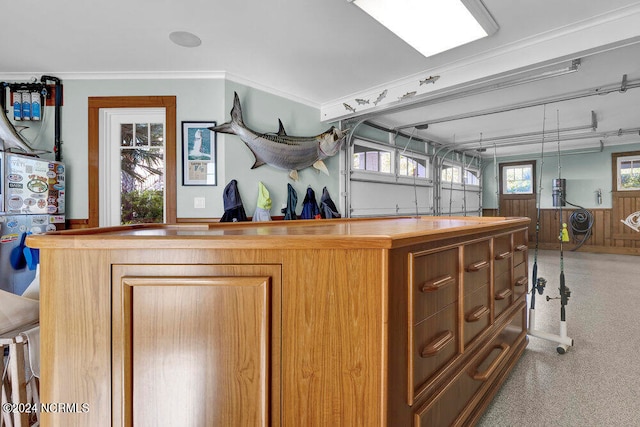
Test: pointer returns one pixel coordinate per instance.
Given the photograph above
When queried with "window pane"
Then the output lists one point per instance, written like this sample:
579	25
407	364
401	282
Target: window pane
629	173
385	162
126	134
471	178
518	179
422	171
358	161
403	165
372	161
157	134
142	134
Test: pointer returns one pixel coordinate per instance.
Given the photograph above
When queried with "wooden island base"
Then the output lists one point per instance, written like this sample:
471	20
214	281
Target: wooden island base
367	322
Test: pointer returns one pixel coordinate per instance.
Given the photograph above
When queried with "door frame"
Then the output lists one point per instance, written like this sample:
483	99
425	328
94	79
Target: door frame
93	161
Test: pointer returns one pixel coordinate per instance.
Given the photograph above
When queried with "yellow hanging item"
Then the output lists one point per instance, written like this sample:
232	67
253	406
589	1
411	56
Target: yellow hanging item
264	201
564	234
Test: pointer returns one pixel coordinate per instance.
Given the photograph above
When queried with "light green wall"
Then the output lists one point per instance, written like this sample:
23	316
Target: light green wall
197	100
585	174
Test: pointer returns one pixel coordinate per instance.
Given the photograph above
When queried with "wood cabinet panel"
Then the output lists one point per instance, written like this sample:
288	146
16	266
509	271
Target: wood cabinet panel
189	349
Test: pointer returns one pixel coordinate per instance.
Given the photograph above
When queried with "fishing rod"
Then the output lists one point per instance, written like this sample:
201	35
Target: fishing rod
535	284
539	283
564	237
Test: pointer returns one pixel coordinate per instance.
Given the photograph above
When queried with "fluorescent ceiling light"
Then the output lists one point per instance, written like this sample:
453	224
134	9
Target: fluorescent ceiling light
432	26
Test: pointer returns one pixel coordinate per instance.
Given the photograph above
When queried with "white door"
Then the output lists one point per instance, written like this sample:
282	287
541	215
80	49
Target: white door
132	166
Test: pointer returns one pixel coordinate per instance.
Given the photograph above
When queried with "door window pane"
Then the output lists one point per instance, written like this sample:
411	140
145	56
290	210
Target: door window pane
517	179
629	173
142	173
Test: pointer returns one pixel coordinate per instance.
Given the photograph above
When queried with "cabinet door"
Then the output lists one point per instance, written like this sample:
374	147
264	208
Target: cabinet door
192	347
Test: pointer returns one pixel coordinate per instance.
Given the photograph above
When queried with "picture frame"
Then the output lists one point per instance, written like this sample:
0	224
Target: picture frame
199	153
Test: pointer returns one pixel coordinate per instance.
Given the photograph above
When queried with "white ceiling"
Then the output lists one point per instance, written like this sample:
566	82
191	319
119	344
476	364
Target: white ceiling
328	53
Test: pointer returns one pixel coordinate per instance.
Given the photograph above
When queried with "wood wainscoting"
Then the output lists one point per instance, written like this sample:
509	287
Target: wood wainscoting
608	234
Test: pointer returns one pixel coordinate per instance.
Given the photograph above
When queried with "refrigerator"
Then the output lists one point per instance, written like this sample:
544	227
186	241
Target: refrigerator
32	200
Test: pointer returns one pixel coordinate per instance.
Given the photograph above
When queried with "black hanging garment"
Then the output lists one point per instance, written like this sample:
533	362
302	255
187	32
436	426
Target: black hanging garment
328	209
292	202
233	208
310	208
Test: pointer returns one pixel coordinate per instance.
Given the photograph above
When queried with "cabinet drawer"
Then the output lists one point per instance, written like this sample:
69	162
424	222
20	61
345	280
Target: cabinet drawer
477	313
435	281
520	280
502	293
520	248
435	343
502	254
477	266
454	404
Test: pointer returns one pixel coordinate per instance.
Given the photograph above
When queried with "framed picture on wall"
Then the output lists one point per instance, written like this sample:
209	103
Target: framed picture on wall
199	166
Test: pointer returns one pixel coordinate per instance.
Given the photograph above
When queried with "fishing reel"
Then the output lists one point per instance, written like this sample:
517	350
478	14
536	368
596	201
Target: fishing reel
564	296
540	285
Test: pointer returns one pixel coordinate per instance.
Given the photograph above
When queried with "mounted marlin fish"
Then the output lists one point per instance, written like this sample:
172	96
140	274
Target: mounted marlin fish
280	150
10	136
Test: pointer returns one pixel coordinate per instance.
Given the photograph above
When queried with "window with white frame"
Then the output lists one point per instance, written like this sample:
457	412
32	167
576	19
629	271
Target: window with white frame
471	177
414	166
628	173
518	179
371	157
451	173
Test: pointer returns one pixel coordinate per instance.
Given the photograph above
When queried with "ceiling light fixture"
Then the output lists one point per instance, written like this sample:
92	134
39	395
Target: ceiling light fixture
185	39
432	27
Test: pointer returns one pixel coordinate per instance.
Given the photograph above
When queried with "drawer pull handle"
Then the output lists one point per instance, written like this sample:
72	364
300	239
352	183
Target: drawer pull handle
503	294
521	248
503	255
504	352
522	281
477	266
438	283
477	313
437	344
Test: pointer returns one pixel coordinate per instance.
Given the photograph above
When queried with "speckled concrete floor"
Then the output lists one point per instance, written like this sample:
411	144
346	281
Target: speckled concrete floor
597	381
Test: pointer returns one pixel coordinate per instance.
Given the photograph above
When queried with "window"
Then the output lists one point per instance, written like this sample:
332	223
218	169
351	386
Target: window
628	173
369	157
451	173
471	177
518	179
410	166
141	173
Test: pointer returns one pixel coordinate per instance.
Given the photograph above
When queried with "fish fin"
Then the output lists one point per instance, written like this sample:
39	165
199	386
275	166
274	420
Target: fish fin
258	163
281	131
223	128
293	174
236	111
236	117
321	166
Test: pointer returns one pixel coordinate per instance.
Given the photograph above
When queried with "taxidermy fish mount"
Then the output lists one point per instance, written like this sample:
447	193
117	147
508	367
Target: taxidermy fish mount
282	151
11	137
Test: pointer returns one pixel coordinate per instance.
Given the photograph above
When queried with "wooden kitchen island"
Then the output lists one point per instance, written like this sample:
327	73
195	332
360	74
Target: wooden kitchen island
362	322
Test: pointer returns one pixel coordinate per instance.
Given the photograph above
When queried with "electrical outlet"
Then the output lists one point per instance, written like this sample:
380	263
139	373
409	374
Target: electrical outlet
198	202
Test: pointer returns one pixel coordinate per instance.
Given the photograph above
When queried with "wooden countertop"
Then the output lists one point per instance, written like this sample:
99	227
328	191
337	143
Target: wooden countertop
317	234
